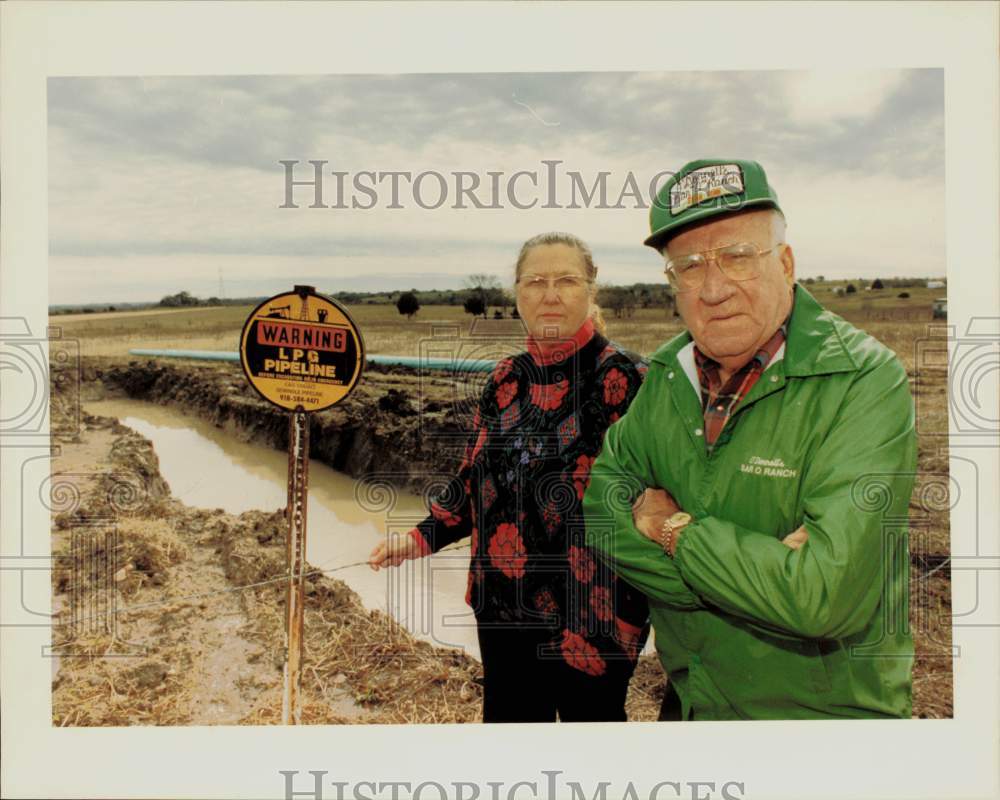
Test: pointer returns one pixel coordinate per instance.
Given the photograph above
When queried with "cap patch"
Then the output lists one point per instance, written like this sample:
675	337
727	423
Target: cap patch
704	184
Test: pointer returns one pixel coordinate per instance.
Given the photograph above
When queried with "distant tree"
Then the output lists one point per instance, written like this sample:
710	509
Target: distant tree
111	308
851	288
487	288
506	301
408	304
179	299
475	305
213	301
877	284
611	298
618	299
821	278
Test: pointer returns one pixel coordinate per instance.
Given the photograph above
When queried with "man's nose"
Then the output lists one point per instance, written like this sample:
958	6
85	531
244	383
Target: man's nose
717	286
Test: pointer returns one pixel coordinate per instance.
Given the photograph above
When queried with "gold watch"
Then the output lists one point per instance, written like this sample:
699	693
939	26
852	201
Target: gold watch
671	525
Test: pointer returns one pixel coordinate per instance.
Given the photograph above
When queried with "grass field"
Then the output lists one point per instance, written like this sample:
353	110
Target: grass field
897	322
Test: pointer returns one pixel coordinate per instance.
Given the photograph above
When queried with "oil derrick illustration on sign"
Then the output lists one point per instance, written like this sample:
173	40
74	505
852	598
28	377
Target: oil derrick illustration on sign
301	351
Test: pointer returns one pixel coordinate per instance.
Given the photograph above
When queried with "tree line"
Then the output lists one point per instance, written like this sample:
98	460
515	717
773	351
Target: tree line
484	295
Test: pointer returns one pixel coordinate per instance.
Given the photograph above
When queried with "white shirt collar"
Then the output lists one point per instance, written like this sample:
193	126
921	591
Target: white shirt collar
686	358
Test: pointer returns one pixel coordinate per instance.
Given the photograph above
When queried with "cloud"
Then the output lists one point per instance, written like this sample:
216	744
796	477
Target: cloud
183	173
822	97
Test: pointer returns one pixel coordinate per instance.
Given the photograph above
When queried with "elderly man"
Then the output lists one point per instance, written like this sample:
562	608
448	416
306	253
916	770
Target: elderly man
757	489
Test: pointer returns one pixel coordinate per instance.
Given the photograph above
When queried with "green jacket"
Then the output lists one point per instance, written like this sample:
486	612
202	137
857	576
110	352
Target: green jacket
746	627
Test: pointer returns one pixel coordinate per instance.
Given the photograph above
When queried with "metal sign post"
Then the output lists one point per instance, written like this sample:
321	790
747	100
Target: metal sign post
302	362
298	498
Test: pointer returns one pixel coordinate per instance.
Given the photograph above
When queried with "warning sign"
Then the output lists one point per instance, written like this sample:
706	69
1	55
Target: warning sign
301	350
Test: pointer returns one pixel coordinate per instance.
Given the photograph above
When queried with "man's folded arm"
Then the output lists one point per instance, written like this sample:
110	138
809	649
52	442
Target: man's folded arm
617	478
830	587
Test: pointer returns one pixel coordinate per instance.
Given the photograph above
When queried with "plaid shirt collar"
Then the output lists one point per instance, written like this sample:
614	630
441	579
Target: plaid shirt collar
717	400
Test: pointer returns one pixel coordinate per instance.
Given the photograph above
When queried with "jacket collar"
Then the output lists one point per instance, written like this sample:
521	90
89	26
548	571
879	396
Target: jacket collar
813	346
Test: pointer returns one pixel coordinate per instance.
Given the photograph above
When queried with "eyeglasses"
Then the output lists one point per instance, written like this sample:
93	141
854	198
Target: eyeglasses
565	285
738	262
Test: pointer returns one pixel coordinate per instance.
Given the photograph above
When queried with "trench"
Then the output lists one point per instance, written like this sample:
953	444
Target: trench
209	467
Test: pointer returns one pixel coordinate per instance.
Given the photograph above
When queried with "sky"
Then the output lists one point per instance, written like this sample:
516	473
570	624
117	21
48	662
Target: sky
158	185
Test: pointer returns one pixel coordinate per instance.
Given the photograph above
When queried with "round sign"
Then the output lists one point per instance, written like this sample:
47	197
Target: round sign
302	351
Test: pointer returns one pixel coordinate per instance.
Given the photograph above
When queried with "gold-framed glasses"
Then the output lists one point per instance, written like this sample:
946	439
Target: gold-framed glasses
565	285
738	262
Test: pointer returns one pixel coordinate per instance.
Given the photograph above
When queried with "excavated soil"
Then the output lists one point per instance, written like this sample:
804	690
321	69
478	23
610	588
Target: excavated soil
199	626
385	426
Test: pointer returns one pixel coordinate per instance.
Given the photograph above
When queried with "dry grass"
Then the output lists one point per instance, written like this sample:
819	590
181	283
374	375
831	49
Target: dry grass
894	321
360	665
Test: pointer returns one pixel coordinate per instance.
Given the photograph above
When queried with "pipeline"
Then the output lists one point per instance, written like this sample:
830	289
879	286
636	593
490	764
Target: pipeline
447	364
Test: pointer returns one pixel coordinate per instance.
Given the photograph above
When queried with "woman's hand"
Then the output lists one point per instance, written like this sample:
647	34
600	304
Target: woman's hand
394	551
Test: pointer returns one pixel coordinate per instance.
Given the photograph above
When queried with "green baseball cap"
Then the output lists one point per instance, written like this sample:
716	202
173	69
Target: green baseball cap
704	189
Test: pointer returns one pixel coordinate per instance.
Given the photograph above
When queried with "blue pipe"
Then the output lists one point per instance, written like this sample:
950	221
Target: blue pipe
448	364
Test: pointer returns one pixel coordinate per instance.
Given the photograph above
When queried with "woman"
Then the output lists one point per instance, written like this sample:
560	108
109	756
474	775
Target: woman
558	632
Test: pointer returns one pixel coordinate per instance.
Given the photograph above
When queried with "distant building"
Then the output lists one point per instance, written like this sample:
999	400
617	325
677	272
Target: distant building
935	284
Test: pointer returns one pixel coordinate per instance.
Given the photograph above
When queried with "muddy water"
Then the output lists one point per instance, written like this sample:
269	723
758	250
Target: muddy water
209	468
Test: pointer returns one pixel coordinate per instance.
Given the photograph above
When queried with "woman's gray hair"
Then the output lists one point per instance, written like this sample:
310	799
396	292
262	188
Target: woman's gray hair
557	237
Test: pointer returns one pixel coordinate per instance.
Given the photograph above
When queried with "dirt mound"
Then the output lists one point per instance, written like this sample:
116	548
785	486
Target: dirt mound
383	427
195	634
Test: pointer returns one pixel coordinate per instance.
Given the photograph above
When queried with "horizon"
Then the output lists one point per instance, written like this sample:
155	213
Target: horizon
258	297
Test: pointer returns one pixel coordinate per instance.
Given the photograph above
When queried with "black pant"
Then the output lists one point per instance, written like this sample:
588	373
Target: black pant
522	684
670	708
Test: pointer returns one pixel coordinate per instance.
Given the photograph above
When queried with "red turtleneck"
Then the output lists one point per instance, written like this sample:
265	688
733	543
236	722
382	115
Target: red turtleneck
545	352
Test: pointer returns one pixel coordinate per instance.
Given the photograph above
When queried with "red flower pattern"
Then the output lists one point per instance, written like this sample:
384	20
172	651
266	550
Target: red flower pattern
507	547
507	551
444	515
582	564
480	441
551	515
615	387
472	450
628	636
545	602
600	602
581	475
549	396
505	393
581	655
502	370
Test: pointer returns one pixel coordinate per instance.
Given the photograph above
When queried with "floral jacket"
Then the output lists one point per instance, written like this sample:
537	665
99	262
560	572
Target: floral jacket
539	426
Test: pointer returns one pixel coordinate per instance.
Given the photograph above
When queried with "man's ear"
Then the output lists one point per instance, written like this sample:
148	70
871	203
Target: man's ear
788	264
